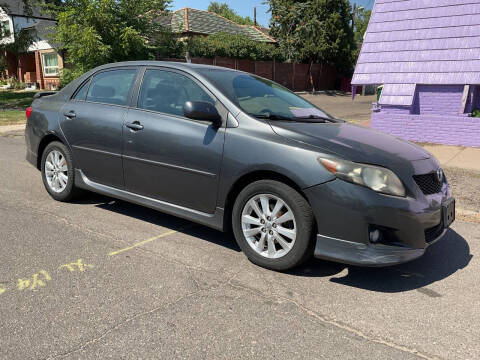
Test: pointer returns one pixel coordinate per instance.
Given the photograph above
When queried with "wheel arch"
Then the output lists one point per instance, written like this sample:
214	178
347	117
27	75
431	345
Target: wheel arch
247	179
47	139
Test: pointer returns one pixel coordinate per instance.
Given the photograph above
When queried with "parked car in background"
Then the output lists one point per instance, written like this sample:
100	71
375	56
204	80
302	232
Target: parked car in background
231	150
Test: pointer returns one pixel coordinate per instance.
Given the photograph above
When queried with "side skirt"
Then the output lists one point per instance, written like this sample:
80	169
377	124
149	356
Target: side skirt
214	220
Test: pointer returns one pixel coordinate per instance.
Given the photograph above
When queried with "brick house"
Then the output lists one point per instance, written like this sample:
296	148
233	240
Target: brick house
41	66
426	53
189	22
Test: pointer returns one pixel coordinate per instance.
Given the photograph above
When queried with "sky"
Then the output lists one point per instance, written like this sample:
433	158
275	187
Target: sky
245	7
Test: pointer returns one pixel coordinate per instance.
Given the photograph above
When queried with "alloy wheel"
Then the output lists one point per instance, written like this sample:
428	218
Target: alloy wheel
56	171
269	226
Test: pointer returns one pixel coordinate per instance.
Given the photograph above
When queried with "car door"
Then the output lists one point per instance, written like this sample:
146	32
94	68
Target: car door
92	122
166	155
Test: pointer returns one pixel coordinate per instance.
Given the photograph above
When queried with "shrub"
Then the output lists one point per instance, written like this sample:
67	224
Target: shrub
68	75
232	46
17	85
476	113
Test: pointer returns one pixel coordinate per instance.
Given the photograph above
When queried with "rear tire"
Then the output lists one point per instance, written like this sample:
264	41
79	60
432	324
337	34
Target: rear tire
58	173
273	225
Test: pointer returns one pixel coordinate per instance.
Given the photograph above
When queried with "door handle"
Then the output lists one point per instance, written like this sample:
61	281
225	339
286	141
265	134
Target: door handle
71	114
135	126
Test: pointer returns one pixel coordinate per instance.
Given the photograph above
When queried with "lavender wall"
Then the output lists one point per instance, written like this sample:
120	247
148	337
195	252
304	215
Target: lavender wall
449	130
438	99
433	117
434	100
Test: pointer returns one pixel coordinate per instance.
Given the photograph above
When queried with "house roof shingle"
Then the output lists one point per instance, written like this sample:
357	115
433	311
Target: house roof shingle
421	42
17	7
188	20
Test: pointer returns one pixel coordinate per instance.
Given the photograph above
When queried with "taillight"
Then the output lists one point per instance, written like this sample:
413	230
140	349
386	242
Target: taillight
28	111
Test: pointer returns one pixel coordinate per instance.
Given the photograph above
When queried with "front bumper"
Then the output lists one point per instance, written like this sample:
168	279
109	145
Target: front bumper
372	255
345	213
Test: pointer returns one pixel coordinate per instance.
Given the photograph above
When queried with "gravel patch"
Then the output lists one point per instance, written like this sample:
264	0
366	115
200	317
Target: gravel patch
465	185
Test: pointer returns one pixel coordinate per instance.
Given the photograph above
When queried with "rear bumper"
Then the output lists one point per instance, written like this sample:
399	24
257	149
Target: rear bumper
31	157
31	143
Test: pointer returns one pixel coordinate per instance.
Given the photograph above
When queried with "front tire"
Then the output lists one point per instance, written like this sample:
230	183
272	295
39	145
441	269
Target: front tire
273	225
58	172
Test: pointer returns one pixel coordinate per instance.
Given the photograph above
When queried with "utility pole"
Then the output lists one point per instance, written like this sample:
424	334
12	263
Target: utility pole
255	16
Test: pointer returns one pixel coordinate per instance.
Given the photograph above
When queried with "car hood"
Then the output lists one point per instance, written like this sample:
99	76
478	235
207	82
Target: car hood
352	142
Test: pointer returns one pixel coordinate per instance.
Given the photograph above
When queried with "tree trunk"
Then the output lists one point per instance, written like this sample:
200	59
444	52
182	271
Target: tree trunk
19	77
310	77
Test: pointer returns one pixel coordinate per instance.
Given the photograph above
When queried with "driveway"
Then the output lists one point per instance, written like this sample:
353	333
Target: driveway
101	279
342	106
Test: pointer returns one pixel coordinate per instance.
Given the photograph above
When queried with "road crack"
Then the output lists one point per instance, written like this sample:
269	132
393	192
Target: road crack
334	322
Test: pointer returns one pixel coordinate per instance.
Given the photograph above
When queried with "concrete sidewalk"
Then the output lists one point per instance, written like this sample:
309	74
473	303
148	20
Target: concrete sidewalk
5	129
456	156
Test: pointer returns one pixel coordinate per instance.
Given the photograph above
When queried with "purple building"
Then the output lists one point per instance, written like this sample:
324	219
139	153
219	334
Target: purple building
426	53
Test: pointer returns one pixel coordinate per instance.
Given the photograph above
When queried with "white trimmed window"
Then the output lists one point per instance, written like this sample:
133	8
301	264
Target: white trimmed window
50	63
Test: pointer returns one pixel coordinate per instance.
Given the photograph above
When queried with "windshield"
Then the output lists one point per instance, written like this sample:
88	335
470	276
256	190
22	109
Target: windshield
261	97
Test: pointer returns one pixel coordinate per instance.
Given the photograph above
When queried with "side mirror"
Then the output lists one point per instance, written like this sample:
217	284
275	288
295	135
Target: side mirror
202	110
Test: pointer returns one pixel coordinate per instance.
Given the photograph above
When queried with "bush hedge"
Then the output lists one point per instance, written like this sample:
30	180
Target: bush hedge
231	46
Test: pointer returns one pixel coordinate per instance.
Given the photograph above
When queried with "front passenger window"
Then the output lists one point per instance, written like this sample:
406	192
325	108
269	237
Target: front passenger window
111	87
167	92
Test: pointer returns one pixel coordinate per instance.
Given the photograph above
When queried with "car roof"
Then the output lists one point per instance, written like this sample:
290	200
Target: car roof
170	64
70	88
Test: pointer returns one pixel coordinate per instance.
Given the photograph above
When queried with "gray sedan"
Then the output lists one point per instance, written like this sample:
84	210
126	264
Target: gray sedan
234	151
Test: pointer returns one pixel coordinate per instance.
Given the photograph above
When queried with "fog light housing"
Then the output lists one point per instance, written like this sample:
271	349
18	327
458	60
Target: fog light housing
384	235
374	235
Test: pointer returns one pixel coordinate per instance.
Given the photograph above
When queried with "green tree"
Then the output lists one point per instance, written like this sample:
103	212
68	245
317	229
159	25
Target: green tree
95	32
314	31
17	49
361	23
224	10
23	39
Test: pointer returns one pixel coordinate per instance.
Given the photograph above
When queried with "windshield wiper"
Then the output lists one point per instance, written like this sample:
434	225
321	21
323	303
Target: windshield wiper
310	118
271	116
313	118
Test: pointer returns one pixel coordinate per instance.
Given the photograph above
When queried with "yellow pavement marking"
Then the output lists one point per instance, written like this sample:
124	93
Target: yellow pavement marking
143	242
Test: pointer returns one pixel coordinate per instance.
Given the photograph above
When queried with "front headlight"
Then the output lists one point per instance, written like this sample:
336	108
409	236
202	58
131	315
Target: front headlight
377	178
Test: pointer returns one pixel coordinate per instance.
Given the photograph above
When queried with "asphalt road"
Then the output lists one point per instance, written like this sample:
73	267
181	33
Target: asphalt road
101	279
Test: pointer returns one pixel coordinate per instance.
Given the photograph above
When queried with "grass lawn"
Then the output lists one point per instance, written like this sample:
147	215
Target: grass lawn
10	99
12	117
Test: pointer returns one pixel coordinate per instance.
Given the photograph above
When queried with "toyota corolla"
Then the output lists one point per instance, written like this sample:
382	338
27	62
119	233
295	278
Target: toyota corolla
234	151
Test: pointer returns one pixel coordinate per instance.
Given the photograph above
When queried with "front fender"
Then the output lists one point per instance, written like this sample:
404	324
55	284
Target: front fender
255	147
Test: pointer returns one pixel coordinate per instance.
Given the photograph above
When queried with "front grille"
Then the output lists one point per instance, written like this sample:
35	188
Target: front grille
428	183
434	232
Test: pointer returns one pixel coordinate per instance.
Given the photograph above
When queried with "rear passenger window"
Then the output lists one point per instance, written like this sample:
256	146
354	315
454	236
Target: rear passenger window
167	92
82	92
111	87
